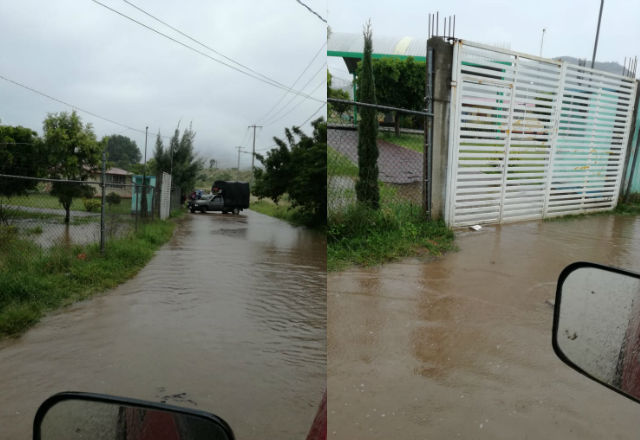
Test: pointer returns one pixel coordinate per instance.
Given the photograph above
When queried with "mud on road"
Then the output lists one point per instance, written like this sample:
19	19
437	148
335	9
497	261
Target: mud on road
460	346
229	317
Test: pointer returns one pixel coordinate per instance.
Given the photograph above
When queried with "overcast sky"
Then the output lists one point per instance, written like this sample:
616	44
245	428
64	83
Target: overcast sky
79	52
84	54
570	24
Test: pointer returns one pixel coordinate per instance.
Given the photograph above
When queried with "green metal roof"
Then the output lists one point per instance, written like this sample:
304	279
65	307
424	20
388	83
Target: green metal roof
349	47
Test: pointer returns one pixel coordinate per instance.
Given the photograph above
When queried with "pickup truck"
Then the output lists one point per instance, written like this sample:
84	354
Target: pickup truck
225	196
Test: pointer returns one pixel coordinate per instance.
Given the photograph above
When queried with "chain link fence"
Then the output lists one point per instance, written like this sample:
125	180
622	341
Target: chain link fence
401	143
42	222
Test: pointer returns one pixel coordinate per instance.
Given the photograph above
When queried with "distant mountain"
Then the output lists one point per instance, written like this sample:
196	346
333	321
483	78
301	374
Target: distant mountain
609	66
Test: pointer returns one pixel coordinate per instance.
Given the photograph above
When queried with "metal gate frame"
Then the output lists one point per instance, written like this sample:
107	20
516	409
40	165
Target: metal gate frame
560	184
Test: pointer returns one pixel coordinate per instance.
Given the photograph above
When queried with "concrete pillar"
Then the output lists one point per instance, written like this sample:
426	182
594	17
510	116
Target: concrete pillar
442	63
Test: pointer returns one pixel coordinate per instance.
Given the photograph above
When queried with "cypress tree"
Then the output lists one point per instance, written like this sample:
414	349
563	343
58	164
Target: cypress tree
367	185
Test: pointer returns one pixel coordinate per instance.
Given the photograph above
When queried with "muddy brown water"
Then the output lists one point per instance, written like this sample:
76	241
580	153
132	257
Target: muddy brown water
229	317
460	346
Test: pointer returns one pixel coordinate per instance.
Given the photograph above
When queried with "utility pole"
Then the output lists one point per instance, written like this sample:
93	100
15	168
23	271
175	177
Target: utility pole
239	148
253	153
143	202
595	45
542	41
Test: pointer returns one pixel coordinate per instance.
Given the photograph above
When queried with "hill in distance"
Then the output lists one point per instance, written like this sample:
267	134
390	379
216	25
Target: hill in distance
607	66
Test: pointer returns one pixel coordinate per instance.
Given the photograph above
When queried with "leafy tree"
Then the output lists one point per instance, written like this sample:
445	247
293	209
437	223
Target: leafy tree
73	153
399	83
138	168
20	150
308	186
113	198
273	180
367	191
179	159
213	164
297	167
122	151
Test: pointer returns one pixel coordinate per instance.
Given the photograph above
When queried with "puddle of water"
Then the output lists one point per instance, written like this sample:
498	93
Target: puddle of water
54	233
460	346
229	317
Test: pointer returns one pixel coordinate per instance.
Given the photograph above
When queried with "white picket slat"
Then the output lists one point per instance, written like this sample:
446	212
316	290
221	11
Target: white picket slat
533	138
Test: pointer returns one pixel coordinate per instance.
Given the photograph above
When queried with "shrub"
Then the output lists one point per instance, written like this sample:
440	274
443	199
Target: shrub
364	236
92	205
113	199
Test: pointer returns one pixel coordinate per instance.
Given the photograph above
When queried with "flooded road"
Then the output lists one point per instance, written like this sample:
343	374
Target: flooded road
229	317
460	346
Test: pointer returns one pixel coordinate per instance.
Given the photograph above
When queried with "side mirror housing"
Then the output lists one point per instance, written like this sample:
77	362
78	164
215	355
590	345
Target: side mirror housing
596	325
76	416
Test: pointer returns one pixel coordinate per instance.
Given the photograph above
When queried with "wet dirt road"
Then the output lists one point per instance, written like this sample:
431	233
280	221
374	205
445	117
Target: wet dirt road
396	164
460	346
229	317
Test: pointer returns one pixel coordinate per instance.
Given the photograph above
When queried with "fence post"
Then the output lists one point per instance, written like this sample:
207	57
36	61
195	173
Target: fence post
442	57
136	206
355	107
104	170
427	156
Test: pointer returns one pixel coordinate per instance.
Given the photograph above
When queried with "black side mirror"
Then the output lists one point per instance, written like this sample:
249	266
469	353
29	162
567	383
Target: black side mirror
75	416
596	325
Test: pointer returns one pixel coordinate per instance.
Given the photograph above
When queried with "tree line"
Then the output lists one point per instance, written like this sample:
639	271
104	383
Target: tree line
398	83
70	150
297	167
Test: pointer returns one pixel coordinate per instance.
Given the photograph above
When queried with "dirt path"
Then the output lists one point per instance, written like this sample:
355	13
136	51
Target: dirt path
396	164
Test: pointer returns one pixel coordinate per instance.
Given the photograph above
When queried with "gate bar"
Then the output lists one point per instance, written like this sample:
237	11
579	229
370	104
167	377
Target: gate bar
379	107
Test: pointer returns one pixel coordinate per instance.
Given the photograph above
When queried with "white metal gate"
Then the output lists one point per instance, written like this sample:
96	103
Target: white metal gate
532	138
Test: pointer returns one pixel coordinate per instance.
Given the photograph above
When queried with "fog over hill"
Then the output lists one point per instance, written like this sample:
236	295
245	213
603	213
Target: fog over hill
608	66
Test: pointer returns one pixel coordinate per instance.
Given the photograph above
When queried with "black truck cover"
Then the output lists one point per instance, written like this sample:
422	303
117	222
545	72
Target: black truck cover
235	194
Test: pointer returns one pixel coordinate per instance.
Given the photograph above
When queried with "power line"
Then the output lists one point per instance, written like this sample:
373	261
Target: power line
152	29
296	106
313	114
75	107
296	81
244	138
312	11
265	148
202	44
275	115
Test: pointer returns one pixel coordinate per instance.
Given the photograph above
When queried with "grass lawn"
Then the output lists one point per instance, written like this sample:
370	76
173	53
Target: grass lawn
282	210
339	164
43	200
413	142
34	281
